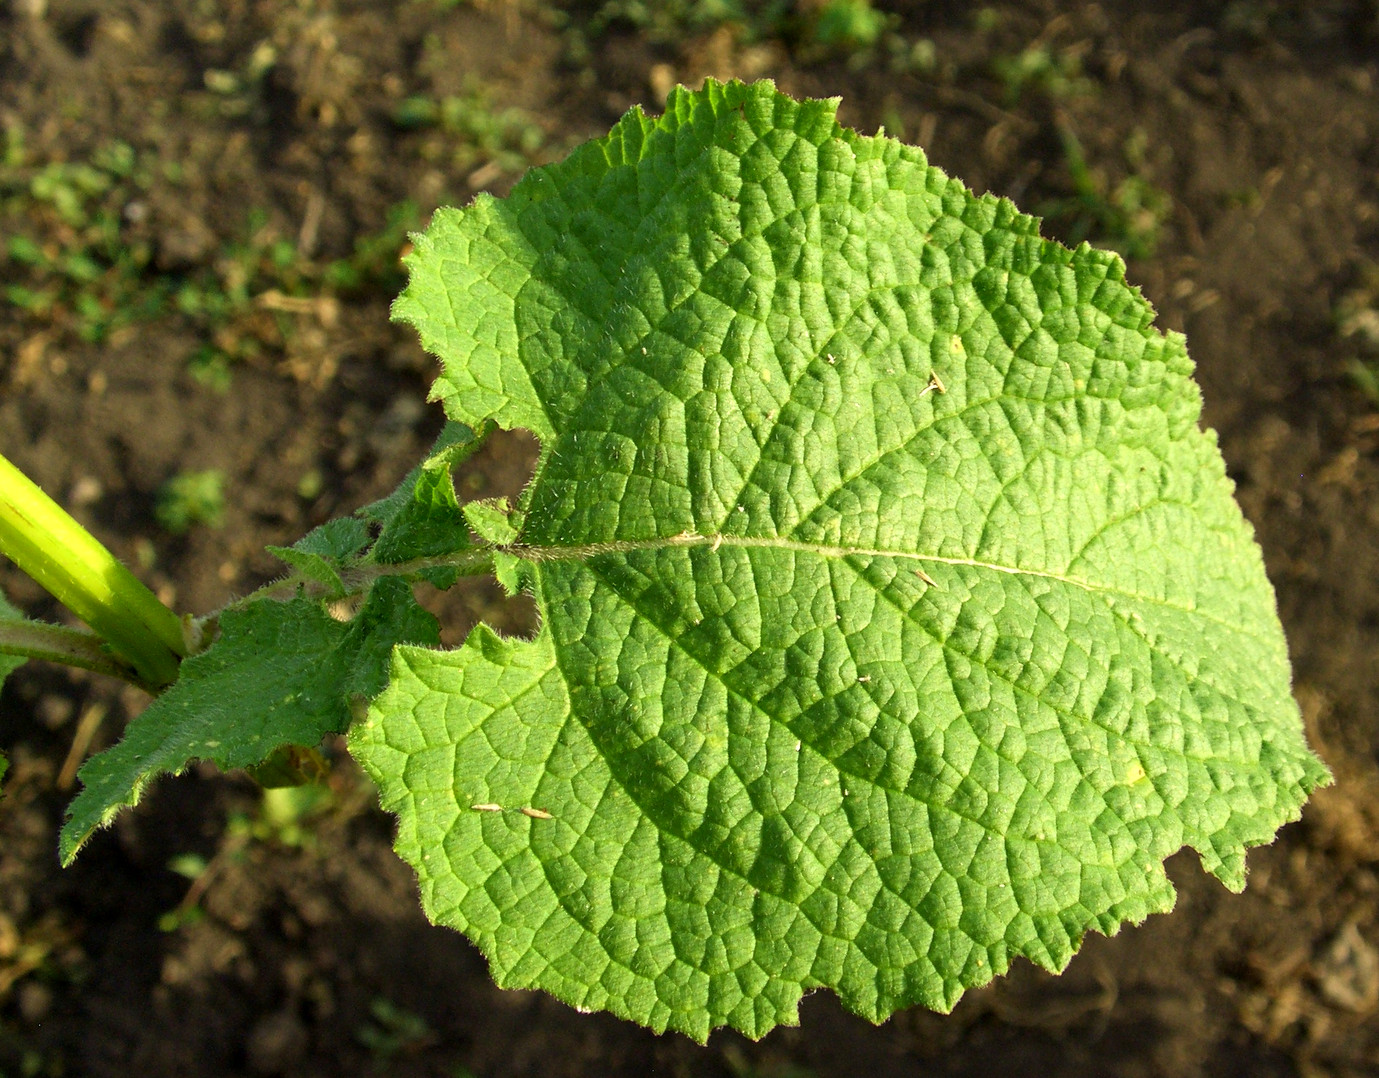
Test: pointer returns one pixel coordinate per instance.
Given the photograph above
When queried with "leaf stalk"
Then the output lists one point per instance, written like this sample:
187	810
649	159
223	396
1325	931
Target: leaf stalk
70	647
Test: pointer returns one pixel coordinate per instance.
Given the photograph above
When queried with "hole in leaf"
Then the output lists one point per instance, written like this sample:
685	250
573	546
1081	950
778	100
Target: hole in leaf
501	469
472	600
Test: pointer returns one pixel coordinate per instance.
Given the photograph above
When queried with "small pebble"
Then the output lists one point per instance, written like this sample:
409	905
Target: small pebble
54	710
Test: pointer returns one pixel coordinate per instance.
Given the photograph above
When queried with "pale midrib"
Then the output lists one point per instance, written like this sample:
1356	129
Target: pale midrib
582	552
479	558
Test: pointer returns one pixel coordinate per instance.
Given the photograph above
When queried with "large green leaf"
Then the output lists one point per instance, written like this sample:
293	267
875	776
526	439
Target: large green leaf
896	616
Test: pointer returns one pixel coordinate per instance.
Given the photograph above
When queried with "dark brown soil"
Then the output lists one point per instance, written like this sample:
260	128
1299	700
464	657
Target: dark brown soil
302	950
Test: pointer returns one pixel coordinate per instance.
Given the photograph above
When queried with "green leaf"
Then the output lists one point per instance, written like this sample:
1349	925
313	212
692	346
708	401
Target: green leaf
418	509
897	619
337	541
493	520
9	663
312	566
290	765
510	571
422	516
430	523
281	673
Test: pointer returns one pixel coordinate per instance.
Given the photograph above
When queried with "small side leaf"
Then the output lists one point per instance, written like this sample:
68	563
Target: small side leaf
510	571
9	663
493	520
280	674
313	567
336	540
419	519
456	443
431	523
290	765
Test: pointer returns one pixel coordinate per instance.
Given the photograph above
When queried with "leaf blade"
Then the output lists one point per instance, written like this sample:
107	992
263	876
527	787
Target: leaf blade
850	481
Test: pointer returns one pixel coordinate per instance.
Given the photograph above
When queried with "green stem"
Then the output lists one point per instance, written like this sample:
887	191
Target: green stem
472	560
72	565
71	647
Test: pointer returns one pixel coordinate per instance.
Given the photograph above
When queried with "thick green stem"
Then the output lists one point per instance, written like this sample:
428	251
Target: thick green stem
73	566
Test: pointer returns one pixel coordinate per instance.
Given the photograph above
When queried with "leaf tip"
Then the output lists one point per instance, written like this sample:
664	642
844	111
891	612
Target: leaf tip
81	823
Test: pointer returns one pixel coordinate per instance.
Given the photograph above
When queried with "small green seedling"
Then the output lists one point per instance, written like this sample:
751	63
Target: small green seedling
1057	74
393	1031
76	256
896	617
1128	217
476	132
192	498
848	25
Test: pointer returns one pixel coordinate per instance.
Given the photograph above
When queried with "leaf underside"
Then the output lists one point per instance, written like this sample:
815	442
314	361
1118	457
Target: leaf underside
897	617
